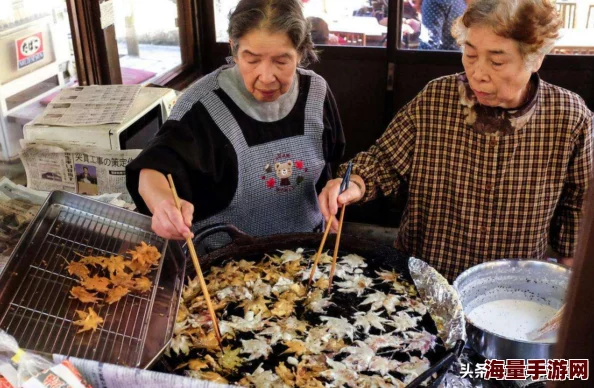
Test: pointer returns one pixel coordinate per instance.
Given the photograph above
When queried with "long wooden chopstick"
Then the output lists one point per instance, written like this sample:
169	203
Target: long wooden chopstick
319	252
336	245
215	323
552	324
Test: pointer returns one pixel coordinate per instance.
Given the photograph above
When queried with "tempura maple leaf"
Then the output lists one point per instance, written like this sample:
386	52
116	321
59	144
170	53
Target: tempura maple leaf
356	285
116	294
257	306
316	302
353	261
180	344
413	368
285	374
83	295
340	374
289	256
256	348
230	359
142	284
369	319
251	322
359	356
115	263
402	321
296	347
377	342
422	341
96	283
121	278
383	365
340	327
78	269
88	321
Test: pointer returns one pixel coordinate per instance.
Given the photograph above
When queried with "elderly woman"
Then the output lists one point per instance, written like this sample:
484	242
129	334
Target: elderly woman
496	160
249	143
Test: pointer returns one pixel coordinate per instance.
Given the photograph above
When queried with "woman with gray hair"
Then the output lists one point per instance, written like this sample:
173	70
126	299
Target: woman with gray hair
495	159
251	143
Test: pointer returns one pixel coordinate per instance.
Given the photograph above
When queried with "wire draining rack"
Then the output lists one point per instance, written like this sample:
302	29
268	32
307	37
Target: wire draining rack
35	305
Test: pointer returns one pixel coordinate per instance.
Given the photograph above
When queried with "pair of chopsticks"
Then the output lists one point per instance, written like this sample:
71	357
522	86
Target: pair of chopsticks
344	185
213	317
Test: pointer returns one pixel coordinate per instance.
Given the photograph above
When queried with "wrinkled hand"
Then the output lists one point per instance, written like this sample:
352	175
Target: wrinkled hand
330	201
170	223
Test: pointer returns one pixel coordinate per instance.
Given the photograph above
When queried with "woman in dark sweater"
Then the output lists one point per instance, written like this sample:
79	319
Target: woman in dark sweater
251	143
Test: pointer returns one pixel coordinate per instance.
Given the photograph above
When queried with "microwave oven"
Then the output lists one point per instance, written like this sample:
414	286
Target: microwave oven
149	111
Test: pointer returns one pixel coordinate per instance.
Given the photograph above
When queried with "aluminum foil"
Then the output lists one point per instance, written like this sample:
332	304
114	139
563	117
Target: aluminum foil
441	300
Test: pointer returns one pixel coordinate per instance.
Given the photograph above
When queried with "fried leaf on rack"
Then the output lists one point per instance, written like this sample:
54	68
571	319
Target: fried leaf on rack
121	278
93	261
83	295
88	321
145	254
97	283
142	284
115	263
116	294
78	269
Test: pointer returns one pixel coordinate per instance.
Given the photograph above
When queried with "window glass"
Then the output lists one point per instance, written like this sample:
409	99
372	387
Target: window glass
334	22
147	37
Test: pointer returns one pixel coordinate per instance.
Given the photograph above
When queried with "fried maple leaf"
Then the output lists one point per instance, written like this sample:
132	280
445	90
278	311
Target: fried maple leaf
317	340
285	374
282	285
391	302
416	305
376	300
78	269
306	272
94	261
246	266
387	276
256	348
289	256
96	283
360	356
208	376
296	347
234	294
88	321
377	342
353	261
197	364
121	278
251	322
383	365
257	306
367	320
206	341
259	288
323	283
316	302
283	308
261	378
422	341
180	344
145	254
115	263
340	327
83	295
230	359
293	325
142	284
376	381
116	294
402	321
413	368
275	333
340	374
356	285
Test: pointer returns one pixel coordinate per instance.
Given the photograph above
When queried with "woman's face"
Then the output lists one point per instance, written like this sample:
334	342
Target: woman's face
267	62
495	68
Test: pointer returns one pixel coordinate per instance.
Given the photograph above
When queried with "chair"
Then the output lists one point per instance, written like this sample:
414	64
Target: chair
567	12
590	19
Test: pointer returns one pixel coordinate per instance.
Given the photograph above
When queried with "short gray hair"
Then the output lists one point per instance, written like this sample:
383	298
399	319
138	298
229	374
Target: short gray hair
533	24
275	16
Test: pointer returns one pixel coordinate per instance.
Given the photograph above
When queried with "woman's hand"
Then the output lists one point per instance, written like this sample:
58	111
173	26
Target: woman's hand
168	221
330	201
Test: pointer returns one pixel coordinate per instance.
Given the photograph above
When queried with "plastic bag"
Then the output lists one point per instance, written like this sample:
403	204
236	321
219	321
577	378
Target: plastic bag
25	364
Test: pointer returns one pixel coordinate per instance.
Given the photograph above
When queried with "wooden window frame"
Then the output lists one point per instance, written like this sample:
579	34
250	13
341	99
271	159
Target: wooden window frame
96	52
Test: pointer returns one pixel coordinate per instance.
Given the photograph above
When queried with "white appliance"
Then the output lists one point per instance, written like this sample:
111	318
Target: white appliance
149	111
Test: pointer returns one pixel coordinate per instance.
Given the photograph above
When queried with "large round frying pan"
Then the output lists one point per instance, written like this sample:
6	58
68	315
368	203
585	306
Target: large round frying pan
243	246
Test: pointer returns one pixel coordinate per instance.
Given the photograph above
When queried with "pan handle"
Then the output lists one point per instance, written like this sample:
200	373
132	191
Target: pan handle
441	366
237	236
